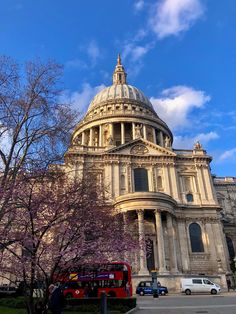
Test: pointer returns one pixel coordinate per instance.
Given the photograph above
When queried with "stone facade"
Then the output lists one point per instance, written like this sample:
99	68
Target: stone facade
226	194
166	195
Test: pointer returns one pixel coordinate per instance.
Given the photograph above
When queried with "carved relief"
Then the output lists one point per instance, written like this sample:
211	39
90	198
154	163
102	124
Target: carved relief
139	150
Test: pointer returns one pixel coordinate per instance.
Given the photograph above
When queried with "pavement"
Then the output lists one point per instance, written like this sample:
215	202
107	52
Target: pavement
223	303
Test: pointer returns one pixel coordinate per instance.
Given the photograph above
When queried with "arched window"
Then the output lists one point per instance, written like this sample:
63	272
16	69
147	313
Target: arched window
195	234
140	180
230	248
189	197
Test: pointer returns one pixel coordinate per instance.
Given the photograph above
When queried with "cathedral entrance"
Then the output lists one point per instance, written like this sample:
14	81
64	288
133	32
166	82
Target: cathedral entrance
150	254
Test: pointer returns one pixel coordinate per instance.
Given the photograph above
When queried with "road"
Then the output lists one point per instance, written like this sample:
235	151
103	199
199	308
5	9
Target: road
225	303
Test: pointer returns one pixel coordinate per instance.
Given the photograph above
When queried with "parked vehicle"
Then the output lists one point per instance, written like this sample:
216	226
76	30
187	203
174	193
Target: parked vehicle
198	285
146	288
6	290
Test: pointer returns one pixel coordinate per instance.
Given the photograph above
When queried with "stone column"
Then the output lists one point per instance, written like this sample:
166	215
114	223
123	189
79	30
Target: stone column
201	183
83	139
166	179
112	131
211	245
100	135
222	260
122	125
91	137
174	182
172	245
116	178
142	247
154	135
133	130
144	131
160	243
161	139
183	245
209	189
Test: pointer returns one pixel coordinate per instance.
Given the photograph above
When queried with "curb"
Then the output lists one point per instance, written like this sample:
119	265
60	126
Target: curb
132	310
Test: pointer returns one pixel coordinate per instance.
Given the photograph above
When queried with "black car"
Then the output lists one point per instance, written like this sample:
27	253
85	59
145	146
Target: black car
146	288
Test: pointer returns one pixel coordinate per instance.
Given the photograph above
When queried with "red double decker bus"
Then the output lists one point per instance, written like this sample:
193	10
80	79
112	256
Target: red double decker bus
90	281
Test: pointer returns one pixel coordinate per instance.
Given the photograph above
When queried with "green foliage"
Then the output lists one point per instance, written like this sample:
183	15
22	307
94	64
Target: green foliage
8	310
74	306
16	303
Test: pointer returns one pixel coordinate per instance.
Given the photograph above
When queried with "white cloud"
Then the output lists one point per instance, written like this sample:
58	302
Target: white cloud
188	142
171	17
228	154
135	53
176	103
80	100
93	51
138	5
76	63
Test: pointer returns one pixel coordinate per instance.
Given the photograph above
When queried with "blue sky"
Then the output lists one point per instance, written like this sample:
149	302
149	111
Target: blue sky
180	53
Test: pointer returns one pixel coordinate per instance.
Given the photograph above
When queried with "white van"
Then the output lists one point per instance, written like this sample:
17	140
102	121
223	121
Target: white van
199	285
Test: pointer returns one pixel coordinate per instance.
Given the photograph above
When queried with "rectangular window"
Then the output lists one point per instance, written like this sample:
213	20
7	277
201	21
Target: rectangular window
140	180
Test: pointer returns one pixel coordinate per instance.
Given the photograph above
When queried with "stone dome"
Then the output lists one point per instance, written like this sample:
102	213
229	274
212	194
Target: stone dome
119	114
122	92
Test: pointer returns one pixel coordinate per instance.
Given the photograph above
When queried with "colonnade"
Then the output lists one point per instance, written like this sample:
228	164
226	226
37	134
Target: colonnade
122	132
161	262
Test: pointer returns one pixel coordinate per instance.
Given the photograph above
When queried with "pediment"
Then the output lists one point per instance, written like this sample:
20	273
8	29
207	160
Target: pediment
141	147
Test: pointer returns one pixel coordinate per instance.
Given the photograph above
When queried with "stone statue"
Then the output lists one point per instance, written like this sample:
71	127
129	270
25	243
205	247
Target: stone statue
167	141
95	141
138	130
76	141
110	140
197	145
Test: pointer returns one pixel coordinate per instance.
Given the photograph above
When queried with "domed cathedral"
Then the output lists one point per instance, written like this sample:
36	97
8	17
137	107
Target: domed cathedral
166	195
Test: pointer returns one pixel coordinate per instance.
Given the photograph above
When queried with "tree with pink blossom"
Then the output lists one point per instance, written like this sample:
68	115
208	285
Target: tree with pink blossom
57	225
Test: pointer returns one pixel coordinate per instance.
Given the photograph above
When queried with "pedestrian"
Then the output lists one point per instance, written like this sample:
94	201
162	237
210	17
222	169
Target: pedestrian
229	284
127	289
87	291
56	299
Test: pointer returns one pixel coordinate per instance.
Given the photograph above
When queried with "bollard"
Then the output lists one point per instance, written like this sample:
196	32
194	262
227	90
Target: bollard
103	303
155	293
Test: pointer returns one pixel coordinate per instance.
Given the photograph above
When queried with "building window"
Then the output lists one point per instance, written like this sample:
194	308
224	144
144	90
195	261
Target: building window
159	183
187	184
140	180
189	197
195	234
122	184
